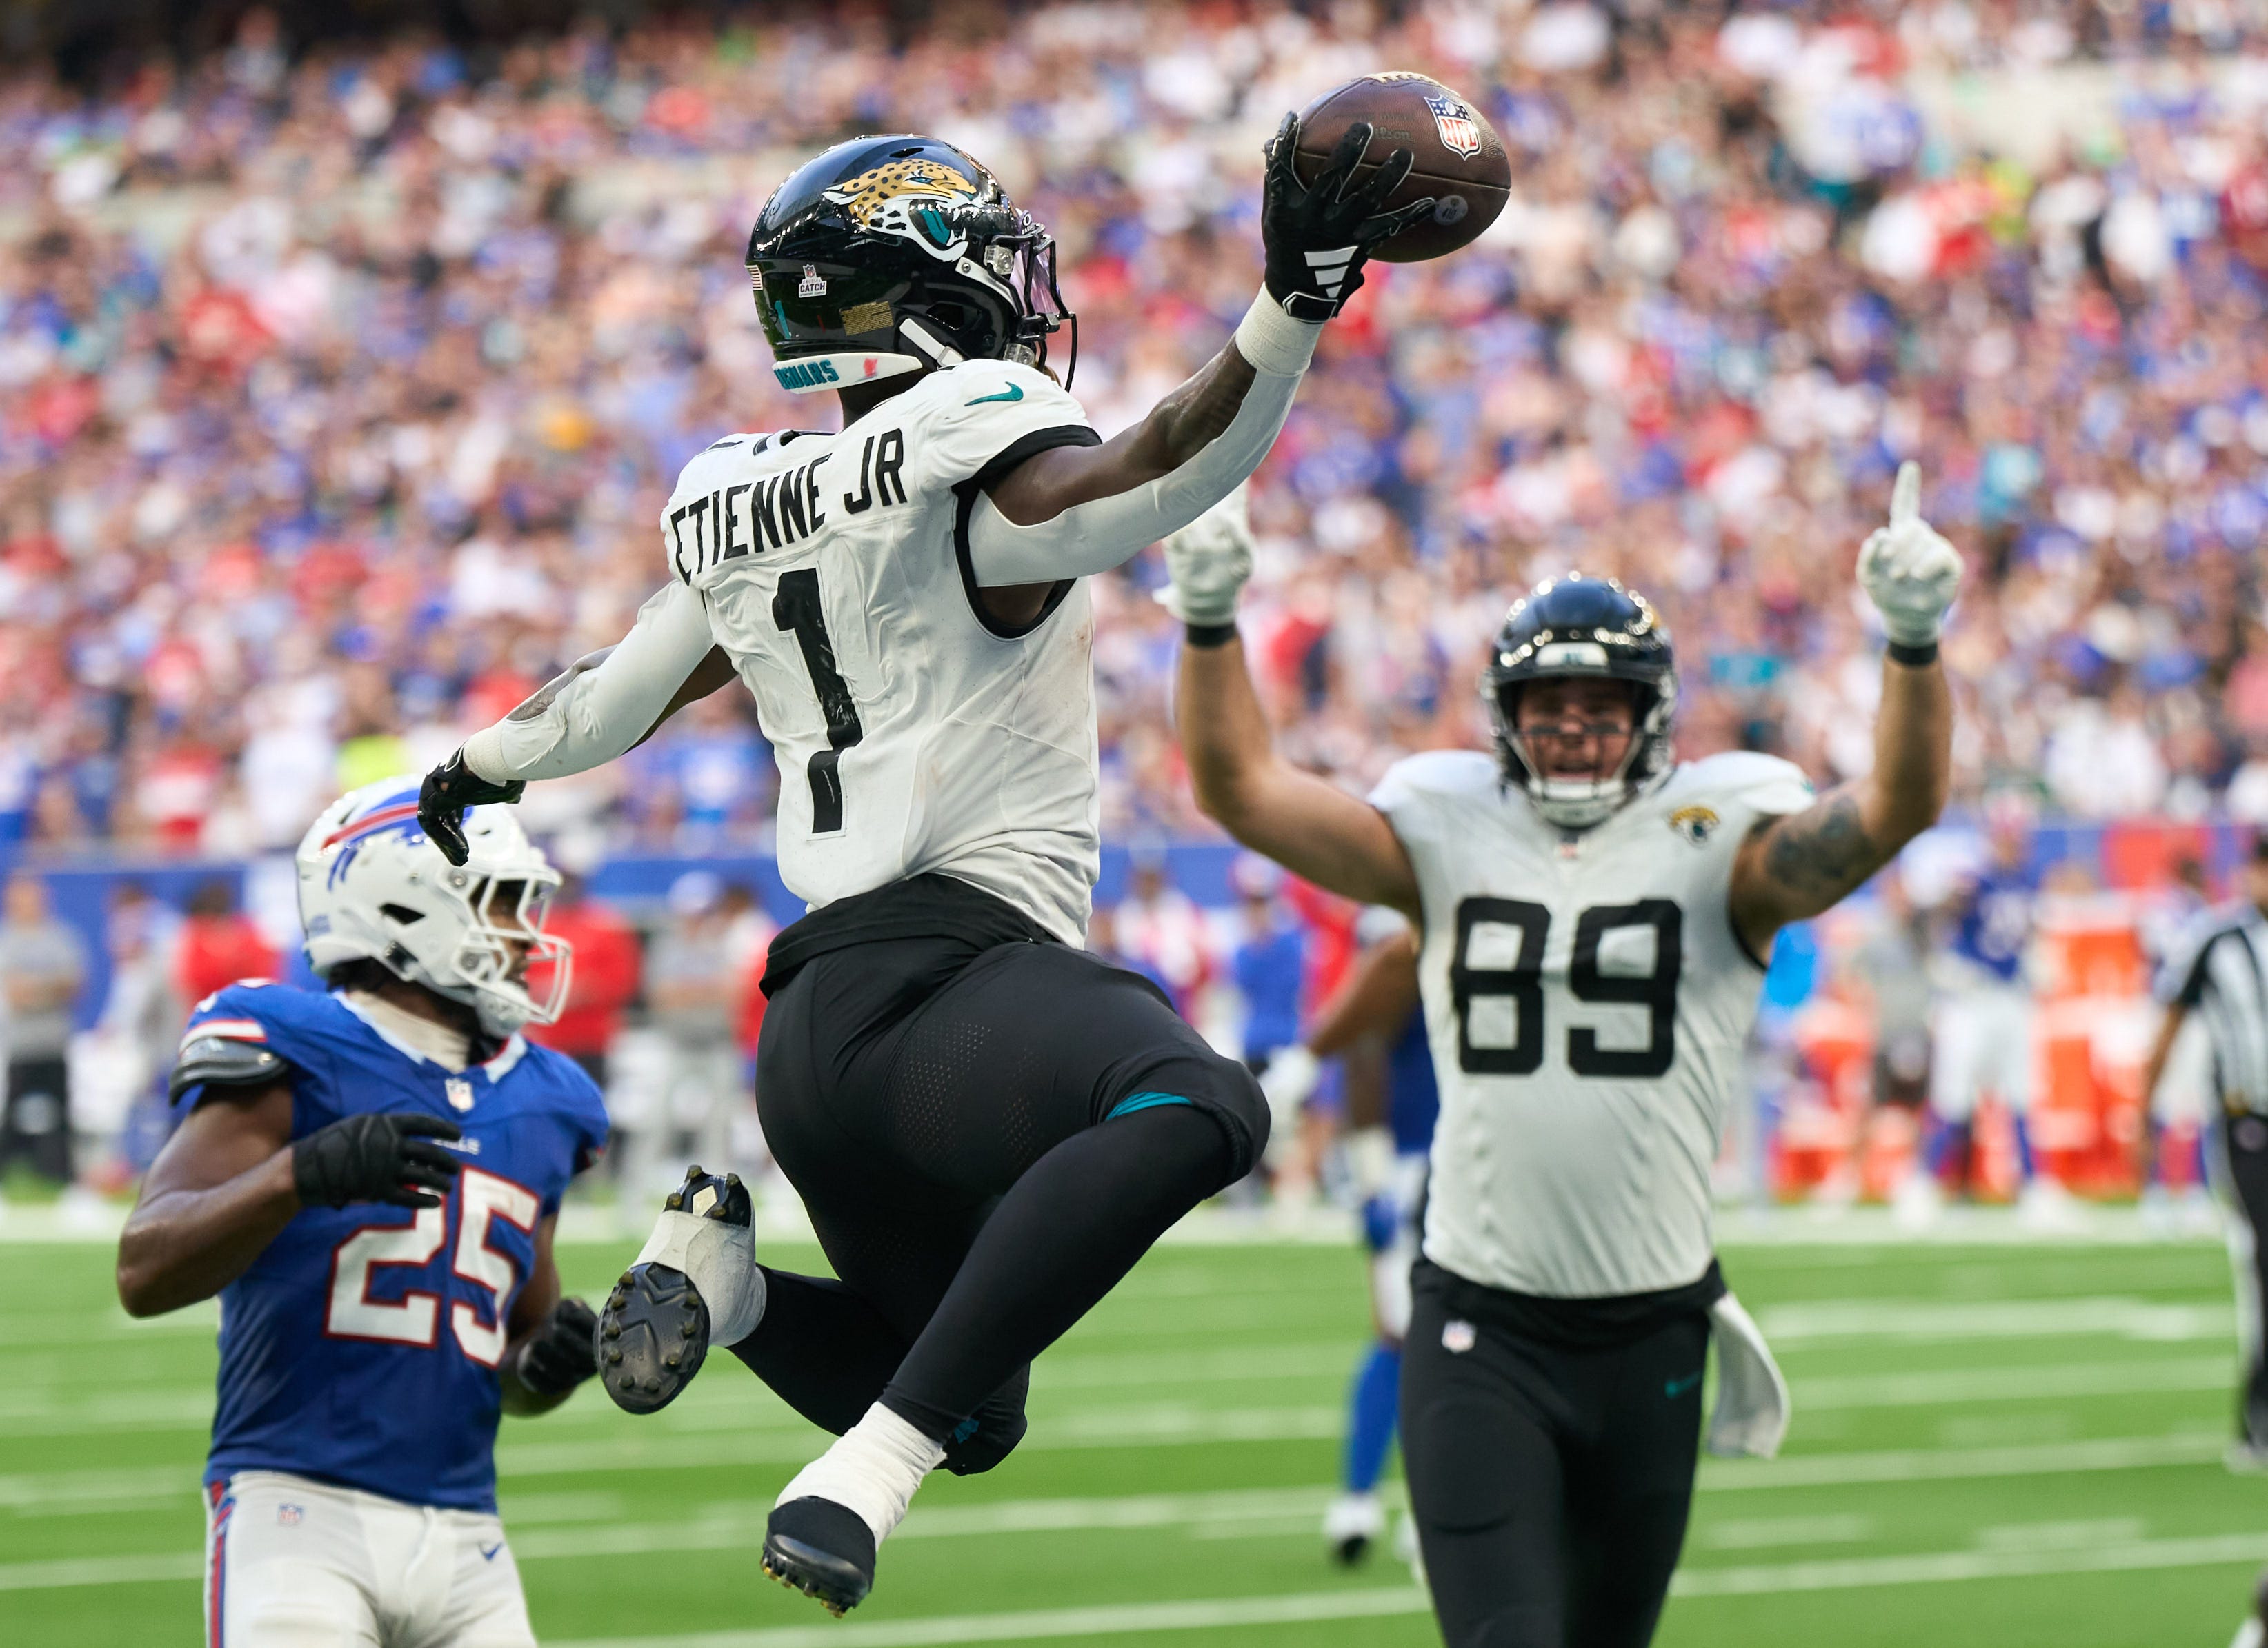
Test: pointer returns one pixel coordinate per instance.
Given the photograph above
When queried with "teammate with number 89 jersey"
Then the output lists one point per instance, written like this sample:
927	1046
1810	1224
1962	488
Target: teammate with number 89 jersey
1581	992
1595	920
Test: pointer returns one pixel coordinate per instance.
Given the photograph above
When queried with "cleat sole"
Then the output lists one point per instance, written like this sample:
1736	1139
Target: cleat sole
834	1583
655	1334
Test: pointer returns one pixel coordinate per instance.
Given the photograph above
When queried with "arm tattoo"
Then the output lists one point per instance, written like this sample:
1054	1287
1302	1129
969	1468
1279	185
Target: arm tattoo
1821	854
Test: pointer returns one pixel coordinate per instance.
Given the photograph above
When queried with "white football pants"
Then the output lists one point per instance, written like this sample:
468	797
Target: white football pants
295	1563
1984	1045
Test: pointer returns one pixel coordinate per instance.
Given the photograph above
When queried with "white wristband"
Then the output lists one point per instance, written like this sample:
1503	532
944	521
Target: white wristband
483	754
1272	341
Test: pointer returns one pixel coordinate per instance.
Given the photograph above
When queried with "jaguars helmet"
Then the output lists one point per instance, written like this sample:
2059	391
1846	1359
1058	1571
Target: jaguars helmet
1583	626
887	255
372	884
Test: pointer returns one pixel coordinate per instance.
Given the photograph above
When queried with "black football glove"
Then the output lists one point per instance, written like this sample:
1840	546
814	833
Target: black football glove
377	1157
562	1352
448	790
1317	235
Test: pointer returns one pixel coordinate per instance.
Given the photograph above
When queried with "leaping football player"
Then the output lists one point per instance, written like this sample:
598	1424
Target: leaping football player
369	1178
986	1125
1595	921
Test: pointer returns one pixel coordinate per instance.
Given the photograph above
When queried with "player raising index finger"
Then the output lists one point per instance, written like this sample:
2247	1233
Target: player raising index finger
1595	920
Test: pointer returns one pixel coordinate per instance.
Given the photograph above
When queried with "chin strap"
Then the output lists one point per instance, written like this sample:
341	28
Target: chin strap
939	353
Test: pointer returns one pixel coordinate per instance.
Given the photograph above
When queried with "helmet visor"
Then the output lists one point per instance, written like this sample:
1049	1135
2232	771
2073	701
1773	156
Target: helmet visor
810	307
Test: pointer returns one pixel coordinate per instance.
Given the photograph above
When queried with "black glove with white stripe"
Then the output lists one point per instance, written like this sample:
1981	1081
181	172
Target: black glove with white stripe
1317	235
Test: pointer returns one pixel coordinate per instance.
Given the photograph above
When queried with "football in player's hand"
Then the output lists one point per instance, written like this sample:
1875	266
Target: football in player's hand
1461	161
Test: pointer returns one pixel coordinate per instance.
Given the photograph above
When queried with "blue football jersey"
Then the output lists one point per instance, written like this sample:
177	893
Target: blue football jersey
1413	1098
362	1346
1996	922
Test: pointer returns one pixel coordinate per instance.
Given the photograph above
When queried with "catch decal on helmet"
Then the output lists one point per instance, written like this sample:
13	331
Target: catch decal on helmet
887	255
1577	626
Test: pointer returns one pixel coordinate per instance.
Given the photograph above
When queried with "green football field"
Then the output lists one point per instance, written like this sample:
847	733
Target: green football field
1994	1444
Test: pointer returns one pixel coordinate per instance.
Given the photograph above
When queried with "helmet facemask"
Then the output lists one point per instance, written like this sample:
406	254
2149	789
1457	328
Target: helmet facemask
886	256
1582	629
373	888
500	942
1574	802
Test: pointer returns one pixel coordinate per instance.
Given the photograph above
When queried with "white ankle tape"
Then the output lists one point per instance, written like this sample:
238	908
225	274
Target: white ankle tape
721	1261
873	1469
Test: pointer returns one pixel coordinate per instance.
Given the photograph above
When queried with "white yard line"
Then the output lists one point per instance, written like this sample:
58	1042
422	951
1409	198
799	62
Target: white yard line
1946	1567
2041	1459
1938	1322
1254	1513
1318	1606
1952	1385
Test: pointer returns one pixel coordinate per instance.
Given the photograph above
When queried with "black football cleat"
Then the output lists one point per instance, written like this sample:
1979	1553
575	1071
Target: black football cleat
653	1333
823	1550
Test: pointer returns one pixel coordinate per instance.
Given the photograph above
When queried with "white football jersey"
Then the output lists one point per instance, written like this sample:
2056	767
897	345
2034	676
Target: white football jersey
911	734
1587	1001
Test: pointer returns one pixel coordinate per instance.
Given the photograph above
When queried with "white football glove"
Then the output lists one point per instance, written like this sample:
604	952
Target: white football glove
1208	561
1907	568
1290	1078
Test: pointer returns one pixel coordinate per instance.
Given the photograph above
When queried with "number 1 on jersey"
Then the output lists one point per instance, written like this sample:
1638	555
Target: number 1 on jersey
796	607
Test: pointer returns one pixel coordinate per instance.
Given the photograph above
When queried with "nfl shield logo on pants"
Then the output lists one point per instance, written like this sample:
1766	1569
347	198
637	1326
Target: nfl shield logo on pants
1457	1337
1461	133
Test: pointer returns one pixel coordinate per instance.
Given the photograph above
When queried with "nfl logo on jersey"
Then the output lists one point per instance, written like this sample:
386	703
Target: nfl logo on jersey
460	1092
1461	133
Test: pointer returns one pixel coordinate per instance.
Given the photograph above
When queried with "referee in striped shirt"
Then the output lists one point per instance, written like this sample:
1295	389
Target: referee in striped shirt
2219	970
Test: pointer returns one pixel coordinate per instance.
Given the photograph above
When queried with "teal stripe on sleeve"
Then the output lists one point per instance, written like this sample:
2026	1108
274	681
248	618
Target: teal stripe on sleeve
1128	1105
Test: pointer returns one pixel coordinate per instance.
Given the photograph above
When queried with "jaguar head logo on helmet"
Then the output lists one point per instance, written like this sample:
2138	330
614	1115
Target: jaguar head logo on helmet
372	886
889	255
1571	653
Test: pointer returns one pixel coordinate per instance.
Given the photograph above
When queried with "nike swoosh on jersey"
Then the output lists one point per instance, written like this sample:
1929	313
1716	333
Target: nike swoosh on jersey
1014	391
1676	1388
488	1552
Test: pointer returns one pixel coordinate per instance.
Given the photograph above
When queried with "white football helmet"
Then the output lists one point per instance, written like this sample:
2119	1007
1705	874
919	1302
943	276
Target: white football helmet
371	884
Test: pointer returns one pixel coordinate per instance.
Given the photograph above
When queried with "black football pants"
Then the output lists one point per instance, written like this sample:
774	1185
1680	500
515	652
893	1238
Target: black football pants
2243	1150
1550	1482
986	1140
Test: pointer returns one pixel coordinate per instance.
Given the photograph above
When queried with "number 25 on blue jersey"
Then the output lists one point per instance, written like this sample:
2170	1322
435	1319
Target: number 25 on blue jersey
415	1319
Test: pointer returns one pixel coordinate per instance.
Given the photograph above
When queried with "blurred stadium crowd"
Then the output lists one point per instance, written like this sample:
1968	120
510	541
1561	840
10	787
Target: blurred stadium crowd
339	387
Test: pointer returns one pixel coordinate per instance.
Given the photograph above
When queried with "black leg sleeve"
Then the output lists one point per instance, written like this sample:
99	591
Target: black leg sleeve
825	1351
1058	1242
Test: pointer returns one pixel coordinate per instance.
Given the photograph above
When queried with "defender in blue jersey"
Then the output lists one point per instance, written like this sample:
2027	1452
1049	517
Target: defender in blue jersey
1985	1042
369	1178
1390	1111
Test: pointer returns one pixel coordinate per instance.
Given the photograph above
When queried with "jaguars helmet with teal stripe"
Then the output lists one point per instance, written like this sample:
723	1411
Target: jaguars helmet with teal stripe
887	255
1583	626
